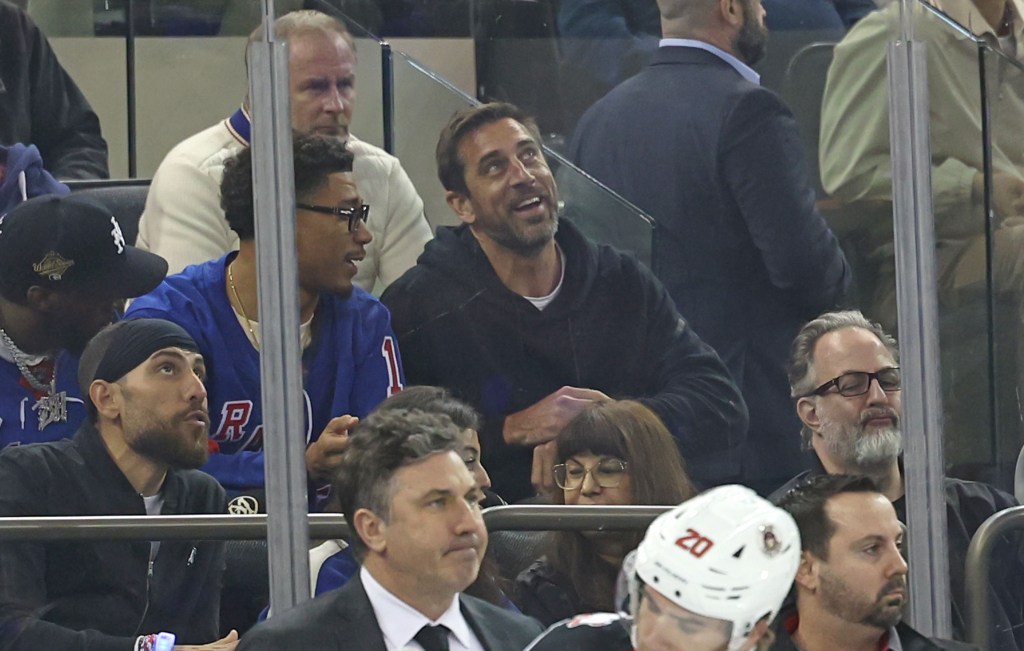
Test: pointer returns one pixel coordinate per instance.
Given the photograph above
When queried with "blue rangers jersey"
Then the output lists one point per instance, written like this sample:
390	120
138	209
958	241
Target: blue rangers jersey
351	365
19	422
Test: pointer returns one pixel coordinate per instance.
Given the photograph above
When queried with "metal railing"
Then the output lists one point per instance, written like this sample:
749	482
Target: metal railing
321	525
978	568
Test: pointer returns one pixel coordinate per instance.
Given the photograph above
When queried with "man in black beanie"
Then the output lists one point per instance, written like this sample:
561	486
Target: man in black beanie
135	454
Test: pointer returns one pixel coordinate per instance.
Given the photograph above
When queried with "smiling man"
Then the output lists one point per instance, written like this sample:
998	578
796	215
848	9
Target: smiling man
520	315
845	379
414	510
135	455
851	585
349	357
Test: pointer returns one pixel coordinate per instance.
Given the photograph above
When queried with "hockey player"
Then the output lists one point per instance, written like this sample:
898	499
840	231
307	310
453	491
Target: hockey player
710	575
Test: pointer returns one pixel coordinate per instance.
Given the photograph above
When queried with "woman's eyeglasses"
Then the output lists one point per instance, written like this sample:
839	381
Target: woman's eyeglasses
607	473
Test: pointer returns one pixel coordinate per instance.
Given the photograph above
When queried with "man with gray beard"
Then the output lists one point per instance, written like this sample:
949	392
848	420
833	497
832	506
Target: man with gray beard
844	377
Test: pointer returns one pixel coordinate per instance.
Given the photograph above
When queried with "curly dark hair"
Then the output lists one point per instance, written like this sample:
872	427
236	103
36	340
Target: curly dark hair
315	158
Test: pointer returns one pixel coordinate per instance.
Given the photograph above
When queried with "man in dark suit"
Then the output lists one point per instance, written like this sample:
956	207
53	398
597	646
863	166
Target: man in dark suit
414	509
715	159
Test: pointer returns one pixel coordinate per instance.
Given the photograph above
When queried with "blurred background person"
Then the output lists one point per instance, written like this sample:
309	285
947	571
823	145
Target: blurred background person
41	105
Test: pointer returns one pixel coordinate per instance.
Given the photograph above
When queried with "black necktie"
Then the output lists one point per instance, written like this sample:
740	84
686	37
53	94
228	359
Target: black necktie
433	638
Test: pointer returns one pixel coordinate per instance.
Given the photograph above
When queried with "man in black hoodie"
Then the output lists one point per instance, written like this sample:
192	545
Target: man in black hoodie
517	313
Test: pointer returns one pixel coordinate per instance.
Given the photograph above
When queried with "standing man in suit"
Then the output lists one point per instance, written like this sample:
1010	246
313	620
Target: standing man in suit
414	509
715	159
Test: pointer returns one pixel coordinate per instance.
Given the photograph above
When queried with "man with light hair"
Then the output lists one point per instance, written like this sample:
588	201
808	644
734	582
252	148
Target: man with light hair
845	379
726	541
183	220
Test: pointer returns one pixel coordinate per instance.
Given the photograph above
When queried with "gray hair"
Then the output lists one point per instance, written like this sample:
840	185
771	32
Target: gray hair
380	445
801	357
306	21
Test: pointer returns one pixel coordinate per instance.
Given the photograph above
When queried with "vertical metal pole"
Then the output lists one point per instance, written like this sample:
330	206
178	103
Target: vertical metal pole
994	403
280	362
387	83
129	58
917	299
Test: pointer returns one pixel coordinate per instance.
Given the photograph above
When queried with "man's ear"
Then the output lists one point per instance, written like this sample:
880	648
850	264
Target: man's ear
807	410
807	571
105	396
732	12
41	299
462	206
371	528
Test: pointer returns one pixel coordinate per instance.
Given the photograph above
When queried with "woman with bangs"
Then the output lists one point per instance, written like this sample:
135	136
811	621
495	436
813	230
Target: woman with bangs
612	453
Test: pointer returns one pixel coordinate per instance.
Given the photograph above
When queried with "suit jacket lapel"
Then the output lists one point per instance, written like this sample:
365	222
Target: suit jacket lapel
358	627
490	633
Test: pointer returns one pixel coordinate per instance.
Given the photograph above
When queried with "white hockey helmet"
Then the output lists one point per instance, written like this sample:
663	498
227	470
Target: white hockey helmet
726	553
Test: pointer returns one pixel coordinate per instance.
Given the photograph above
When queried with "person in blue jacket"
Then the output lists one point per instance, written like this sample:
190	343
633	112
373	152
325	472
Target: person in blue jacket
350	359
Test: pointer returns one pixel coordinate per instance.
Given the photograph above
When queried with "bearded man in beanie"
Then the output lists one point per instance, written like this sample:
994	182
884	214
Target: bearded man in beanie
134	455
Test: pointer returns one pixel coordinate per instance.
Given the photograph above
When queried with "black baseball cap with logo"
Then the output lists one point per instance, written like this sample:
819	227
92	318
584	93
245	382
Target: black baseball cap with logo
72	243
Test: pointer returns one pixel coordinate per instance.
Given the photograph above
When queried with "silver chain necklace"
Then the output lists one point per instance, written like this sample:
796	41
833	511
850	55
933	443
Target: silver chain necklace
52	407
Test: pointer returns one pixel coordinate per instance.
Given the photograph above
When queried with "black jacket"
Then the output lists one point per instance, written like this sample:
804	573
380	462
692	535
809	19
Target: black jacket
968	505
99	595
612	328
41	105
547	595
343	620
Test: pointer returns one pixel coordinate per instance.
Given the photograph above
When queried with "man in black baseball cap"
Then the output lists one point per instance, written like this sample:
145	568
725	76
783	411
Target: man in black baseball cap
136	454
65	270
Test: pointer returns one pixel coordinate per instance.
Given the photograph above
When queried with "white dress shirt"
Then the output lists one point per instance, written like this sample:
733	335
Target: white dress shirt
746	71
399	622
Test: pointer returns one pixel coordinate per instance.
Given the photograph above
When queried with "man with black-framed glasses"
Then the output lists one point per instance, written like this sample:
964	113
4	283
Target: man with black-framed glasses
844	377
349	354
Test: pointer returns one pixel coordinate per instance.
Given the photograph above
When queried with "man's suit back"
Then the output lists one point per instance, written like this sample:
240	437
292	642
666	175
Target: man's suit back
716	160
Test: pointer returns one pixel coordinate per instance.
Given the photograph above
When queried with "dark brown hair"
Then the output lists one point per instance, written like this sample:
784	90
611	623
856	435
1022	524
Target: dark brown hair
451	169
628	430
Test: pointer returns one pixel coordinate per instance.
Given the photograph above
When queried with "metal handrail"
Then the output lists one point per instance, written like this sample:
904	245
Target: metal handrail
321	525
978	567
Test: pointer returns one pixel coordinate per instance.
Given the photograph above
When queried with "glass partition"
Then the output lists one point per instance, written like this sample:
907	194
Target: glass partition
1003	179
183	71
423	104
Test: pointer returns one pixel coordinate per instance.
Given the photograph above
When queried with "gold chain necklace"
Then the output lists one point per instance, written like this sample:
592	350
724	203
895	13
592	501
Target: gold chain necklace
241	306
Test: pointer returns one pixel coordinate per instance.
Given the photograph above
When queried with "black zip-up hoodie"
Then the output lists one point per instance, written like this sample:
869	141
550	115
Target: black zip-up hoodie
91	595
